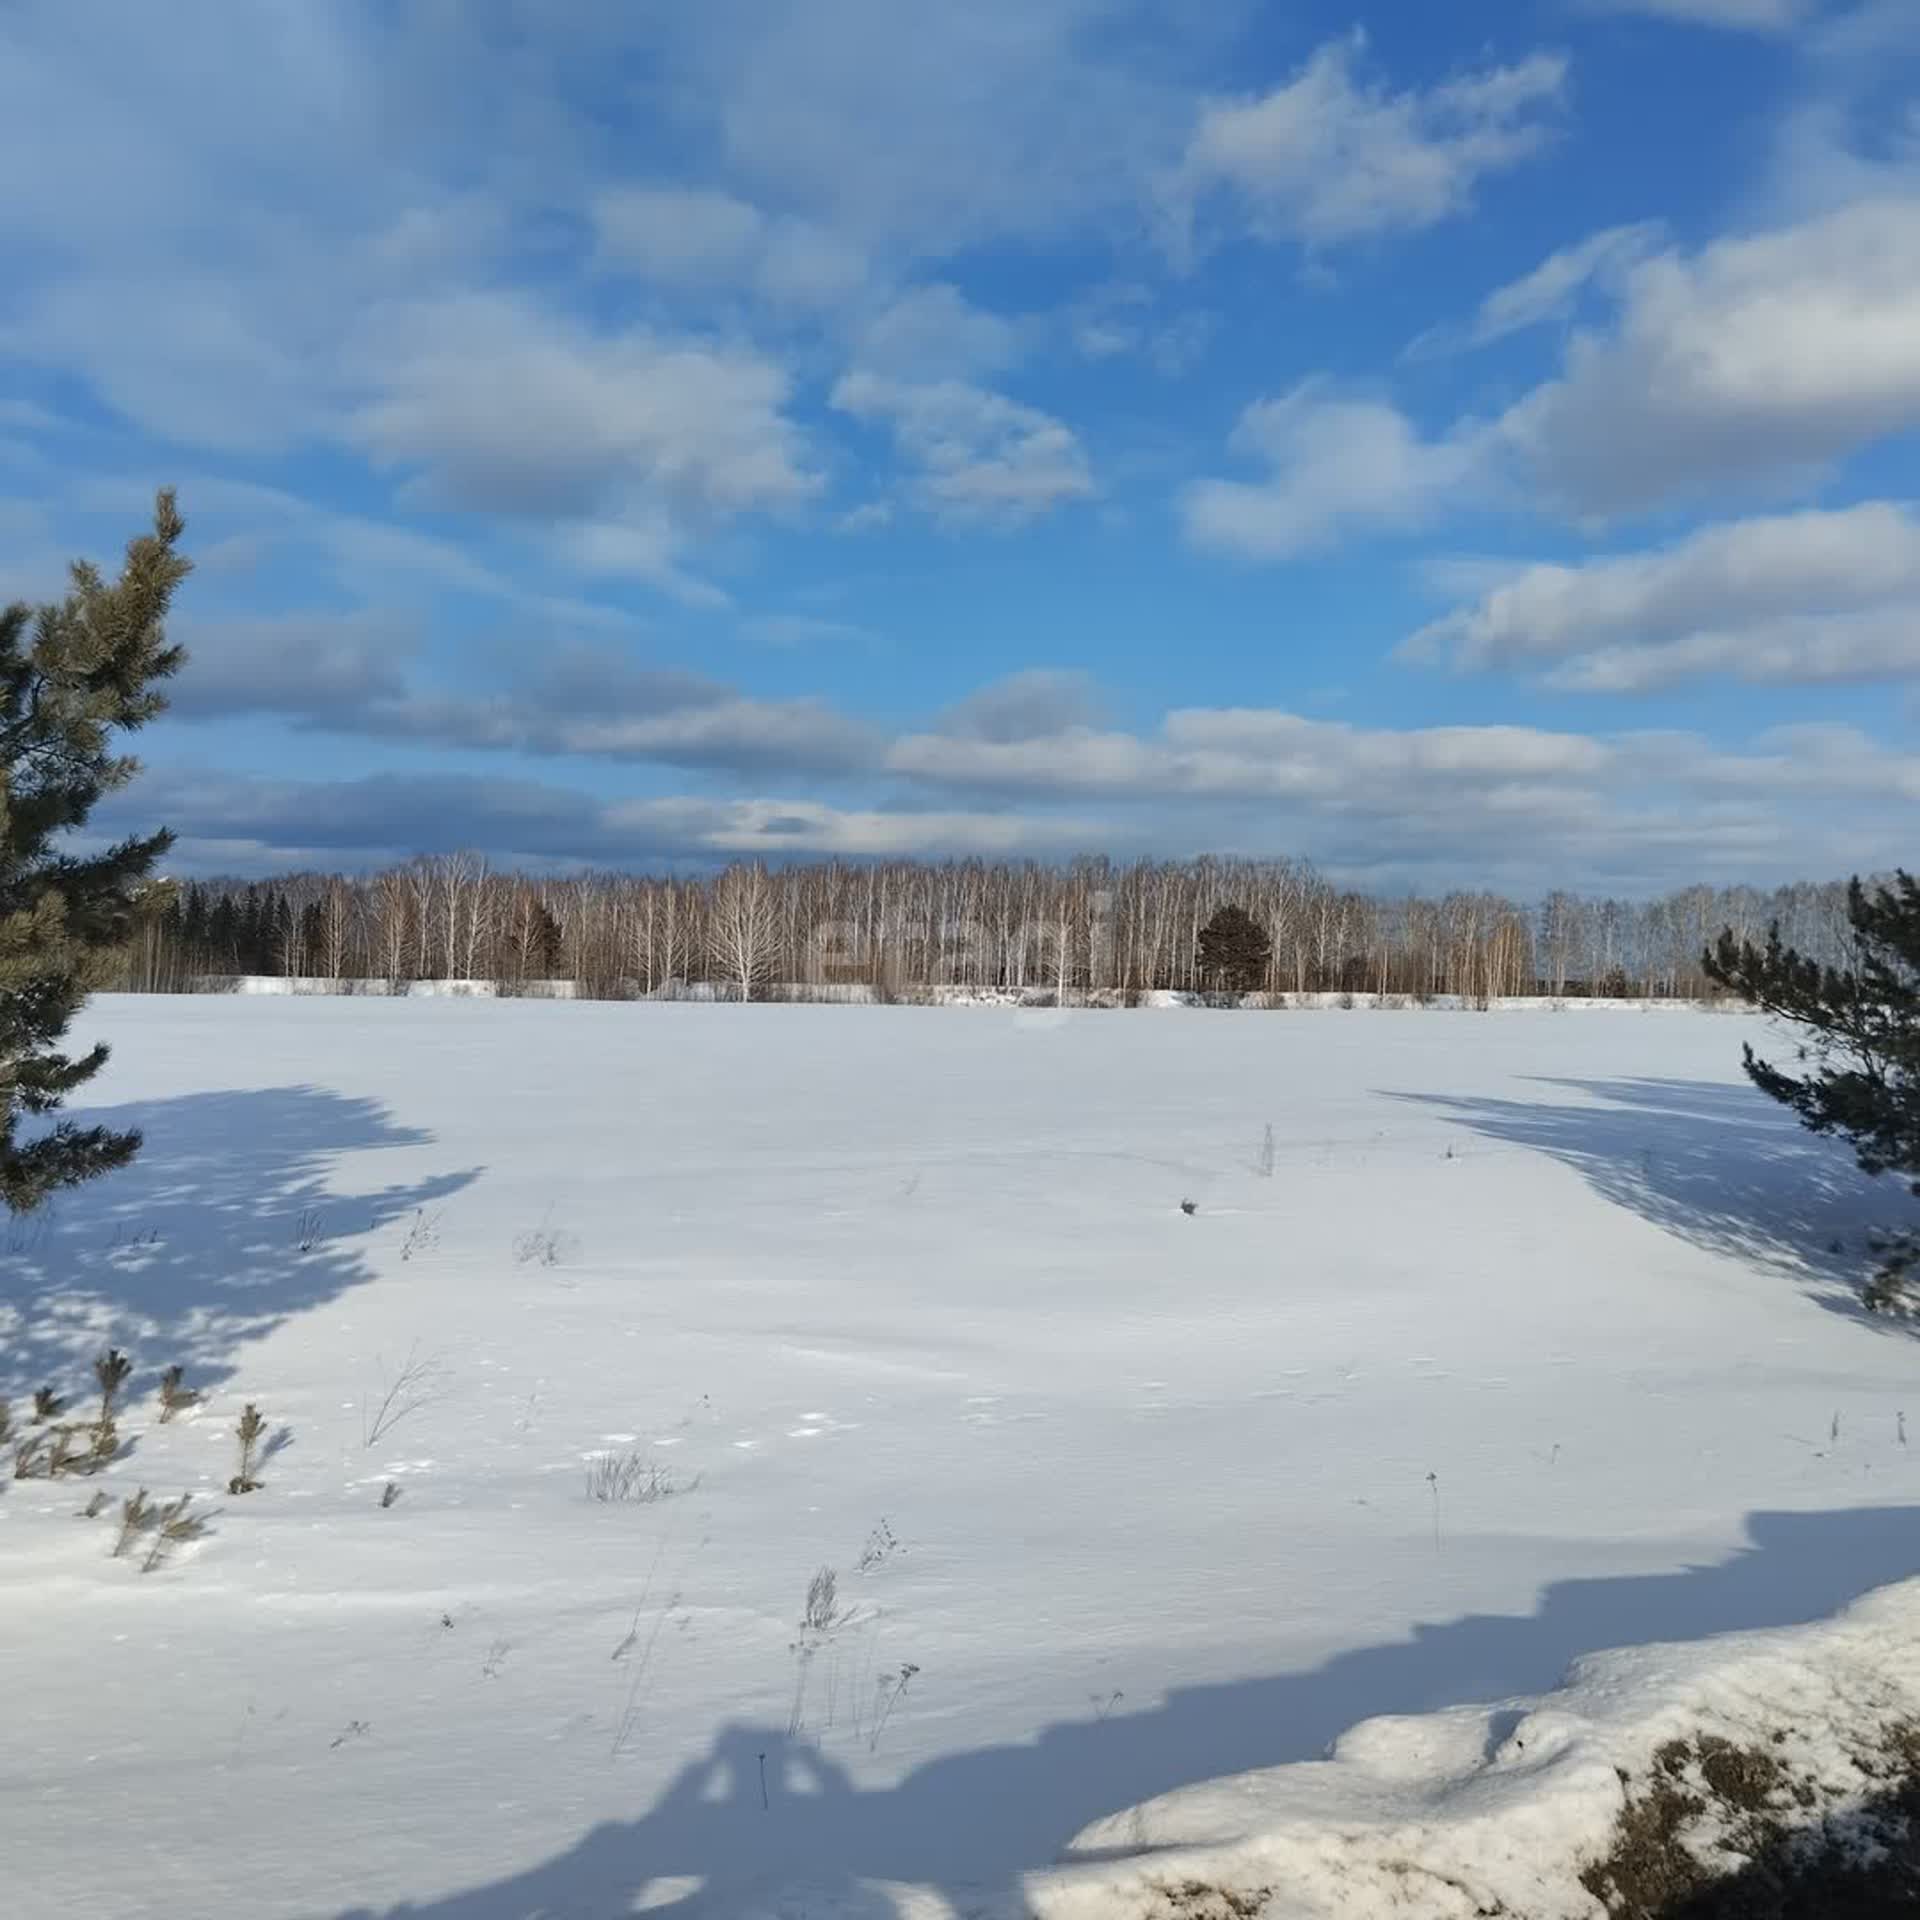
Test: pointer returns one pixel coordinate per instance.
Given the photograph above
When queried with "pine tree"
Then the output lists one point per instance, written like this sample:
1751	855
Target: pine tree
1861	1044
72	675
1234	950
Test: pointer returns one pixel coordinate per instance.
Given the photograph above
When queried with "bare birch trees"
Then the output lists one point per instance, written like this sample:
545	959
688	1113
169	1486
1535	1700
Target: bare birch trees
904	927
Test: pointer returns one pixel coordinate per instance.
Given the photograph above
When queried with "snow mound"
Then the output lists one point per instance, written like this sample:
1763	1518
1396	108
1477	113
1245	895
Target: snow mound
1785	1737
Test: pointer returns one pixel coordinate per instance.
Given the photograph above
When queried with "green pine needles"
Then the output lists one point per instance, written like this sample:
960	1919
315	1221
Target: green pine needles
1858	1029
72	677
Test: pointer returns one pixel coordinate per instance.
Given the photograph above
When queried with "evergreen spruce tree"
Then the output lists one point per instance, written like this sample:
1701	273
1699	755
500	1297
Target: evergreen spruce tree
1234	950
71	677
1860	1049
223	935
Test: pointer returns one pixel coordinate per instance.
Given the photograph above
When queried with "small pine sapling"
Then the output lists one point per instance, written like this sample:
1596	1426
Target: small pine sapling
175	1395
136	1515
247	1430
95	1506
175	1525
67	1453
110	1370
27	1452
389	1494
46	1405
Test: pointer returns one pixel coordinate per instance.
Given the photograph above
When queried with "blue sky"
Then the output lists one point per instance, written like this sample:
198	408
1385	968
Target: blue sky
1460	444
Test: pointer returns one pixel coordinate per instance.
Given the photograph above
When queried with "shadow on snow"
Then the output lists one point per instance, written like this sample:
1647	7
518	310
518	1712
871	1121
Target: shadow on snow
224	1226
970	1825
1720	1166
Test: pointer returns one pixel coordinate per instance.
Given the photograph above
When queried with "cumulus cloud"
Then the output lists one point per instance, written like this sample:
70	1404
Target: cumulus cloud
703	239
680	236
1335	462
498	406
1333	156
1874	643
934	331
979	457
1026	706
1795	598
1748	360
317	254
923	131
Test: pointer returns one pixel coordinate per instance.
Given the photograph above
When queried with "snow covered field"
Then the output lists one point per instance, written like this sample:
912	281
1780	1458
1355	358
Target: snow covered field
1531	1343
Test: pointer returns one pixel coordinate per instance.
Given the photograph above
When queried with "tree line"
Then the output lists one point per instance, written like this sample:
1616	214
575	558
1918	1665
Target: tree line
898	928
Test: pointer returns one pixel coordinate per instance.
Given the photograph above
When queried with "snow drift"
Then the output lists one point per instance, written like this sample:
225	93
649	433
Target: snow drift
1789	1744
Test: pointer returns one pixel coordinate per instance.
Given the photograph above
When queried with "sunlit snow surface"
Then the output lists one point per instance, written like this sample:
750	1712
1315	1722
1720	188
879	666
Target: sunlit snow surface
1533	1341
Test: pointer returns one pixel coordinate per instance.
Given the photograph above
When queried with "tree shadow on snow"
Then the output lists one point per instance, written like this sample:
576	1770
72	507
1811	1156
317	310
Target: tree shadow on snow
1722	1167
223	1226
762	1823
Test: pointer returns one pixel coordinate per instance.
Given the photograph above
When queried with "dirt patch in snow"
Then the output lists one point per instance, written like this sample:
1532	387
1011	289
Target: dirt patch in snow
1717	1831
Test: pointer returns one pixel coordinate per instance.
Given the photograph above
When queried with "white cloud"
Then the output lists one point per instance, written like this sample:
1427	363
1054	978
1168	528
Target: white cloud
1251	753
1821	759
1512	806
1119	318
643	545
1331	157
1490	753
253	527
1425	806
1550	290
870	516
231	822
807	629
1335	463
783	828
317	665
921	131
701	240
1873	643
680	236
1797	598
1029	705
808	266
735	732
935	332
357	675
497	405
1742	363
979	456
1752	16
